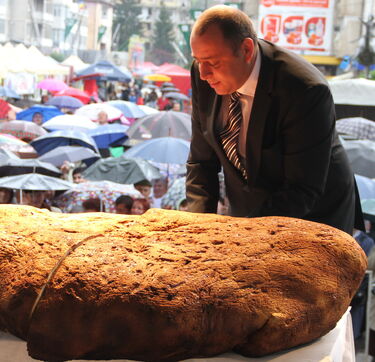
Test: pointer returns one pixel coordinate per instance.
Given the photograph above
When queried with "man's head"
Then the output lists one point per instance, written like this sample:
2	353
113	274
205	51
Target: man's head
144	187
37	118
77	175
123	204
160	187
102	118
224	43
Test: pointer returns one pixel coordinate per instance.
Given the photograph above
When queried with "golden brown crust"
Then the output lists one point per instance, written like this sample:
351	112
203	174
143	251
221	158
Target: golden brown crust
170	285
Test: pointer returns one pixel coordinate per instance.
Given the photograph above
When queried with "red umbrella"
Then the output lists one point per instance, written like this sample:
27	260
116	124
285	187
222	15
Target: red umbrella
76	93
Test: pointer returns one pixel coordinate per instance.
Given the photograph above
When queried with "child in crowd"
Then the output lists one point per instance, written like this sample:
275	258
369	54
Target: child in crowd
93	205
139	207
123	204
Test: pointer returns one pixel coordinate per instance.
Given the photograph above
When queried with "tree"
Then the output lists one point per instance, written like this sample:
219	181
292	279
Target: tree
125	23
162	48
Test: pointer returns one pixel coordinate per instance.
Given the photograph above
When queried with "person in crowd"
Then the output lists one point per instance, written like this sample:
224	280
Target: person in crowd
151	99
267	117
162	102
123	204
102	118
125	92
223	206
139	207
37	118
169	105
93	204
77	175
6	195
160	188
176	107
132	97
144	187
182	205
36	198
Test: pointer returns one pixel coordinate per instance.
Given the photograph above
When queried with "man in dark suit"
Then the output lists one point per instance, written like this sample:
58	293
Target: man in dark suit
289	161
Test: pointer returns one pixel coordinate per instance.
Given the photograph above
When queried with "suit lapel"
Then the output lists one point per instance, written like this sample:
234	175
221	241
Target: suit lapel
261	104
211	121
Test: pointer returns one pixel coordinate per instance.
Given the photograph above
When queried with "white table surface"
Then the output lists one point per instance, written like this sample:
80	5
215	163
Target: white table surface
336	346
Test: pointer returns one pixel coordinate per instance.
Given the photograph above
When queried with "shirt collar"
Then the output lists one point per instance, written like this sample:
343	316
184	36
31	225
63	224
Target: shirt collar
248	88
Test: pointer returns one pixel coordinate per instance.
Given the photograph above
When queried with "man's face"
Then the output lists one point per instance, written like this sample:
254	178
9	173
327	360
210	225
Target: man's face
144	190
224	70
160	188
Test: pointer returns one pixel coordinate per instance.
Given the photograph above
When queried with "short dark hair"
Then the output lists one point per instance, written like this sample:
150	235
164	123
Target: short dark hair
234	24
93	204
126	200
78	170
143	183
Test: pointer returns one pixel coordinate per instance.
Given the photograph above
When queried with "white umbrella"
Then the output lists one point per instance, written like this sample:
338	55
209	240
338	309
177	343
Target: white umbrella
58	155
92	110
69	122
147	109
34	181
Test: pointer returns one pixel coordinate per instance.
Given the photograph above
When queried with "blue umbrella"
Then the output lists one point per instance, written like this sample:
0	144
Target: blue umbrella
176	95
109	135
105	70
47	112
129	109
49	141
162	149
8	93
65	102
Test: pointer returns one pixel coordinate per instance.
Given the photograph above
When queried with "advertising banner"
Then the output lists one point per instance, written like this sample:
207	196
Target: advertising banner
304	26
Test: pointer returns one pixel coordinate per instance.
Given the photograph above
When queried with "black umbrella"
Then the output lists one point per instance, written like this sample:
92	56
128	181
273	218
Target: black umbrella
12	167
121	170
161	124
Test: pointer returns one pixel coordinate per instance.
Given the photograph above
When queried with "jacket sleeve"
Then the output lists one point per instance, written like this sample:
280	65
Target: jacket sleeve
202	184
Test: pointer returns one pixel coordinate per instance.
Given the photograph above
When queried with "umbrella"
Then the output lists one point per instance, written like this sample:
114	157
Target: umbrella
92	110
34	181
19	166
148	110
52	85
58	155
109	135
9	139
65	102
121	170
176	95
8	93
69	122
75	93
167	84
175	194
4	108
368	208
55	139
161	124
361	155
366	187
22	129
157	77
47	112
128	109
107	191
358	127
161	149
104	70
169	89
7	154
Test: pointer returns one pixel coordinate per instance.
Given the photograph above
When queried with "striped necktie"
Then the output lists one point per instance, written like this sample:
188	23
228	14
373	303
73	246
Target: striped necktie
230	134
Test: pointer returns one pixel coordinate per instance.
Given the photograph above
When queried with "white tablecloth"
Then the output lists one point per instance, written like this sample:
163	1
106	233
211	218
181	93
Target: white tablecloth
336	346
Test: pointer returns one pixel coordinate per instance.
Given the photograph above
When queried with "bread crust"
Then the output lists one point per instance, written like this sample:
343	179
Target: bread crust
170	285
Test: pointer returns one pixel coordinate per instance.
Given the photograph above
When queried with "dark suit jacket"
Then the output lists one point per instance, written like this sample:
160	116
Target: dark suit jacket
295	162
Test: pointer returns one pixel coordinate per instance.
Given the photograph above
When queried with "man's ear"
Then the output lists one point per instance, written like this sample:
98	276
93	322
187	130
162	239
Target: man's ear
248	47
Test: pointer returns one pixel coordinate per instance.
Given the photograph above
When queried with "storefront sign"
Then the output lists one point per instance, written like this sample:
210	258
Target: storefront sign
304	26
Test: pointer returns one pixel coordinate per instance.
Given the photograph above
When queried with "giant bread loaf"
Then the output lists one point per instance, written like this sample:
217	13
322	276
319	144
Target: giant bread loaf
170	285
